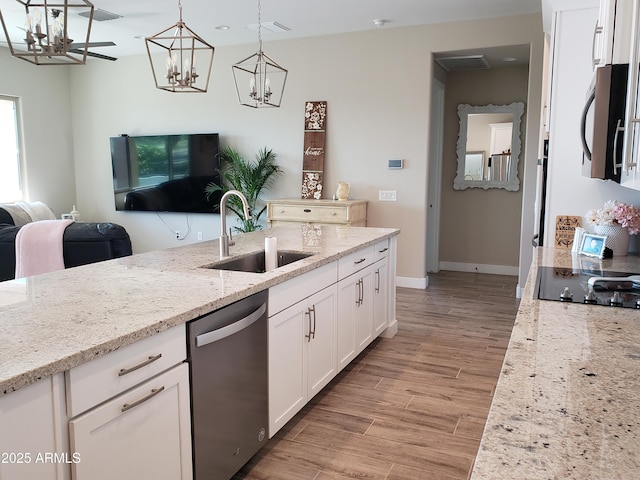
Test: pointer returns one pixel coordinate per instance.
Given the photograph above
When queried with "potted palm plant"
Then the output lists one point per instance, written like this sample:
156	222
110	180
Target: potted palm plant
249	178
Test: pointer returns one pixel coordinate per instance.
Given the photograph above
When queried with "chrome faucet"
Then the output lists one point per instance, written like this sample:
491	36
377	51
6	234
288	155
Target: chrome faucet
224	239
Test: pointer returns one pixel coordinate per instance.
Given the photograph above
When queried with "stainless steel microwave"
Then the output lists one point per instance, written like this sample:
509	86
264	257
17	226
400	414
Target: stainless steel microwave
603	122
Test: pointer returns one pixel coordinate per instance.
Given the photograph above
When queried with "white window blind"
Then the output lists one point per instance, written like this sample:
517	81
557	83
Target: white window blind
10	183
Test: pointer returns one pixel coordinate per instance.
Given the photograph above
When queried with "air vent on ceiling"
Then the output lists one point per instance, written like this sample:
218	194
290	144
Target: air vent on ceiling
463	62
273	27
101	15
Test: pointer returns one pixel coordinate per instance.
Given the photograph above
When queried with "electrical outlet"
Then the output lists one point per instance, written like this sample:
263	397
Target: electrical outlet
178	234
199	236
387	195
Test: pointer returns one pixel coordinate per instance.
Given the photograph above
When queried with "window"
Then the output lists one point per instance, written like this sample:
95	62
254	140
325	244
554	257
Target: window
10	184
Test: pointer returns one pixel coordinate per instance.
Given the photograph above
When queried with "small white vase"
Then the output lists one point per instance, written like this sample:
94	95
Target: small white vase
617	238
342	193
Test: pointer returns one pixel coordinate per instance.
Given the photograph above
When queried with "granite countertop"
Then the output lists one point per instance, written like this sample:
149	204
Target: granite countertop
50	323
567	404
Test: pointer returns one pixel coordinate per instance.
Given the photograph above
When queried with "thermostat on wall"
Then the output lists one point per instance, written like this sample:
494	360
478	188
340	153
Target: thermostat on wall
395	164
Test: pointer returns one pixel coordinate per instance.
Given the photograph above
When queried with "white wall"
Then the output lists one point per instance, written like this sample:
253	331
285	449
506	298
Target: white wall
377	85
44	100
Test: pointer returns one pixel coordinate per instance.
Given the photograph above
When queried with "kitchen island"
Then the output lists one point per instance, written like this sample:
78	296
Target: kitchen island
566	404
53	322
95	363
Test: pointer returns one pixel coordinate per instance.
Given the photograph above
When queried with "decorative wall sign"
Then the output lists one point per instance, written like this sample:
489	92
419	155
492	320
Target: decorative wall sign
565	230
315	116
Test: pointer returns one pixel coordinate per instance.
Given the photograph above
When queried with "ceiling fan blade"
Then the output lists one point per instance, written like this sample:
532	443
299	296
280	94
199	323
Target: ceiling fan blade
80	51
92	44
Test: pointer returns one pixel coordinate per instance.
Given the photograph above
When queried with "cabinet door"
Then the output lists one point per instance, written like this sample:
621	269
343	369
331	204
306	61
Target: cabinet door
143	433
32	430
380	297
346	340
287	365
630	176
363	323
321	345
602	47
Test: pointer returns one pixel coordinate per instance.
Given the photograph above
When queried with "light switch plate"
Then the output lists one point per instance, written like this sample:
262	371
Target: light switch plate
387	195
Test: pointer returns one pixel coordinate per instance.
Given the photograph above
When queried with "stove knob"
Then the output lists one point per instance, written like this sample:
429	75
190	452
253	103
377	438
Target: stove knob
566	295
591	299
615	301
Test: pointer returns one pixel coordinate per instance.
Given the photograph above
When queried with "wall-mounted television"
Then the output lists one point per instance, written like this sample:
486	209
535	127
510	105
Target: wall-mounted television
165	173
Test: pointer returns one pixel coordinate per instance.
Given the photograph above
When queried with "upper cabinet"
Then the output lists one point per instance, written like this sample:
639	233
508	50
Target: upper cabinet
630	176
612	33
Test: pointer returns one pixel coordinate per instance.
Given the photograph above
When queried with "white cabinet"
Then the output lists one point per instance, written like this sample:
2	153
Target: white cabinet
33	433
143	433
302	354
612	32
380	297
137	419
359	285
630	176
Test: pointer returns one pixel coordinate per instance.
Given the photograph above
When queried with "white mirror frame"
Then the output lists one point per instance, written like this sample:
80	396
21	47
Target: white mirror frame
512	183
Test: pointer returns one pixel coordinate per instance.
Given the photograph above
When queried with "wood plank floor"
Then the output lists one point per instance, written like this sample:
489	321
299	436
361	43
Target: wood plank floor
410	407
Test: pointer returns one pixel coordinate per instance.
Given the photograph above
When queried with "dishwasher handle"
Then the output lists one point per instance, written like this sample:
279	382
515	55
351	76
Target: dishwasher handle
235	327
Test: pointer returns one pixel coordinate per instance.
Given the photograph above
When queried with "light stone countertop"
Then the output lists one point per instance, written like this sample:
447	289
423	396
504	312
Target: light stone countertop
567	404
52	322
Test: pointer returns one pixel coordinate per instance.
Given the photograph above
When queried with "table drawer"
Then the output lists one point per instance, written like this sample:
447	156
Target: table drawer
310	213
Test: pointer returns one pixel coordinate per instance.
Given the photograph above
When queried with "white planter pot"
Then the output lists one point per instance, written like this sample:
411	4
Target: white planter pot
617	238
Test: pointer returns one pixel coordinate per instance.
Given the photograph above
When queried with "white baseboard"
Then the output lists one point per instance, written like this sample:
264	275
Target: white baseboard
410	282
519	291
479	268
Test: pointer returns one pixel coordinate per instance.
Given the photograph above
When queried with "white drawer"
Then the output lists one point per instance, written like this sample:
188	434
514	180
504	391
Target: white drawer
292	291
381	249
98	380
355	261
309	213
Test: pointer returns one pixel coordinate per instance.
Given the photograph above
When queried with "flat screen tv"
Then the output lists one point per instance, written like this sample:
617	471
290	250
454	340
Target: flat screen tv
165	173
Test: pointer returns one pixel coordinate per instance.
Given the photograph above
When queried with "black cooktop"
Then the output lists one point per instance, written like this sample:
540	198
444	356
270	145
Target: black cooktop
572	285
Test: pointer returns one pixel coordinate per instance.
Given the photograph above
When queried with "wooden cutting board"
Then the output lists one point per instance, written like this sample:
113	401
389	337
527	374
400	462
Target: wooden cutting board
565	230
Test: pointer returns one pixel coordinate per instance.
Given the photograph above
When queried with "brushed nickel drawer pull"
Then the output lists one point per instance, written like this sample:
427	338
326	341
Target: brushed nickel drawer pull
309	336
129	406
151	359
359	261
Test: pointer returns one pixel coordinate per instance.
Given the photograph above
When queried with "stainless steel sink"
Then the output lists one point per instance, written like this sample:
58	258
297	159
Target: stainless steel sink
255	262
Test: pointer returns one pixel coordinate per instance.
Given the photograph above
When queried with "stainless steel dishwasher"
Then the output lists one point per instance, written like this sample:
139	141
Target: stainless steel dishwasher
227	352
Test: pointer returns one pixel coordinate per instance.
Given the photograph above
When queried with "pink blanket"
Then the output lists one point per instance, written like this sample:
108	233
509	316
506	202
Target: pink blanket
39	247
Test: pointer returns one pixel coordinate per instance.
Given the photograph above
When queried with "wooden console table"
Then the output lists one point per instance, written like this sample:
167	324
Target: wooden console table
341	212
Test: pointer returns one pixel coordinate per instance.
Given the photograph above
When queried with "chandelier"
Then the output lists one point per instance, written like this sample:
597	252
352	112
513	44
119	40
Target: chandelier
49	27
259	80
178	58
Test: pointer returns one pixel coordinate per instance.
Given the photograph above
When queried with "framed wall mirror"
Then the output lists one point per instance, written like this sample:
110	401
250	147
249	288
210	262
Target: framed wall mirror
489	145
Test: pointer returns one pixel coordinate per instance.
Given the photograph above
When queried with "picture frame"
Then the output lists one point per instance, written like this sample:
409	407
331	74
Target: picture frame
592	245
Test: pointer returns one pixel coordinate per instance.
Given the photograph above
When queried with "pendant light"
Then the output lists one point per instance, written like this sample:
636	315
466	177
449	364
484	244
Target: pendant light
178	56
50	27
259	80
